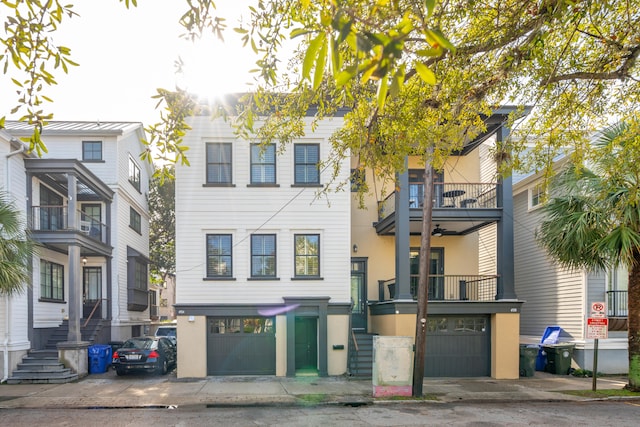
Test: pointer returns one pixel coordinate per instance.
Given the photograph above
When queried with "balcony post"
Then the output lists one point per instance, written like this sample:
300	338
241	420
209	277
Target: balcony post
403	250
505	245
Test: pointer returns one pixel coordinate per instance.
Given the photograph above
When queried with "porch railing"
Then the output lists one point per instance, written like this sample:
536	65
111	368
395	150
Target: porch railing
447	288
617	304
446	196
54	218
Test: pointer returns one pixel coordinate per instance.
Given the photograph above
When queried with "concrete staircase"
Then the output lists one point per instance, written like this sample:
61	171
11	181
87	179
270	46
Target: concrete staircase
361	355
43	366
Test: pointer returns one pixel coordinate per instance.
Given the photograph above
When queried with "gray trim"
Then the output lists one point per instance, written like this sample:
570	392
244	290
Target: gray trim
505	239
219	310
446	307
403	249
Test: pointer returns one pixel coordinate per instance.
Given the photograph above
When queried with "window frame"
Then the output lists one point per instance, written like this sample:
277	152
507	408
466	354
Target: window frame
257	161
306	256
264	258
85	151
209	270
306	165
536	196
135	220
220	163
134	174
47	290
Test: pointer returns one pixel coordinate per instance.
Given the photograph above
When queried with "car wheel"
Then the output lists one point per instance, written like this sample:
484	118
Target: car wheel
163	367
120	372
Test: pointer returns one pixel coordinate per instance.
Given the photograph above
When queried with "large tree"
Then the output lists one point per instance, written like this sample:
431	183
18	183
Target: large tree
592	219
16	249
162	228
419	76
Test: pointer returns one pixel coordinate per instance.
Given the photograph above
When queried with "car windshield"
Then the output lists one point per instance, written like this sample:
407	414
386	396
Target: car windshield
140	343
166	332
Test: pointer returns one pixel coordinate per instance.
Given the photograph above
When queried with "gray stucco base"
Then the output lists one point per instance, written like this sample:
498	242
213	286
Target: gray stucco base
613	356
75	356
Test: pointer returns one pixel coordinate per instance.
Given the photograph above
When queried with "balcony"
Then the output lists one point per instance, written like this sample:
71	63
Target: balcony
618	310
463	207
49	225
443	287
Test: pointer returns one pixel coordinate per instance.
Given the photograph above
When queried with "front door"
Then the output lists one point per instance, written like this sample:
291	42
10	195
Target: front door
92	291
358	295
306	336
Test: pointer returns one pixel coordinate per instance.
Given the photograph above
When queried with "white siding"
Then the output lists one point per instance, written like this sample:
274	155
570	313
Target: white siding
552	295
242	210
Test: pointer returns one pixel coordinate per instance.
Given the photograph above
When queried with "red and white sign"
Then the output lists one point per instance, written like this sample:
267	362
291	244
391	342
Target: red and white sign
598	309
597	328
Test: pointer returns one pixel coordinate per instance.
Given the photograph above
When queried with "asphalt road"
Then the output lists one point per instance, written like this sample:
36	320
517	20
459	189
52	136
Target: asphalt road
595	413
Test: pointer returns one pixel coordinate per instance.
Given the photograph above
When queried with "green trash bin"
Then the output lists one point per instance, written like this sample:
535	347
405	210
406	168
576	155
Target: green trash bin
559	358
528	355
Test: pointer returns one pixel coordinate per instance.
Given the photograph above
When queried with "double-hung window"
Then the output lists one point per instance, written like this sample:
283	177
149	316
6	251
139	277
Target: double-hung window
263	255
135	220
134	174
537	196
91	151
263	164
219	163
307	158
219	256
51	281
307	255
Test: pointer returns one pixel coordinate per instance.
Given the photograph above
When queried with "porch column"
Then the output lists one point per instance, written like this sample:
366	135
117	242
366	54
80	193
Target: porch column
75	265
505	246
403	250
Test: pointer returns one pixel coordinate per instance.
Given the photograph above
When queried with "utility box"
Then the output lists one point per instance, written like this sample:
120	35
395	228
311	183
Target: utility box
392	366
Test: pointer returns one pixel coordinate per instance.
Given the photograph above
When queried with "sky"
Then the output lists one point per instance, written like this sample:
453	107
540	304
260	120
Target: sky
125	55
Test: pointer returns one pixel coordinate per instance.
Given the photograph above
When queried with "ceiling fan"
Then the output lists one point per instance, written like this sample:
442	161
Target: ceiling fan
437	232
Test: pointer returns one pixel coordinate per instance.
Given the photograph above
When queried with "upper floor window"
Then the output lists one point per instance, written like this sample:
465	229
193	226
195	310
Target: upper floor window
135	220
91	150
219	163
51	281
263	255
537	196
140	276
134	174
263	164
307	255
219	256
307	157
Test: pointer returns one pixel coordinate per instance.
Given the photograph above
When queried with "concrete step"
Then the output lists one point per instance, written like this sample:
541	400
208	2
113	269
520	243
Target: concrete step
43	367
62	379
41	374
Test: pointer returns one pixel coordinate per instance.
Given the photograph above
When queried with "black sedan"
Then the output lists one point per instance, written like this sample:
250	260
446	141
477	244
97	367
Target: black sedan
154	354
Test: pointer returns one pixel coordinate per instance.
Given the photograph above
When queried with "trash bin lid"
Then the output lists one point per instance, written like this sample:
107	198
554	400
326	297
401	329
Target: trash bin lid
551	335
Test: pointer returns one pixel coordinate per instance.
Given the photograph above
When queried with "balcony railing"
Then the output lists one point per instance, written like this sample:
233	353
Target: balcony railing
617	304
54	218
447	196
447	288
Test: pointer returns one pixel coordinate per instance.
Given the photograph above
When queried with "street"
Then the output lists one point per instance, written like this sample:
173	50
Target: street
594	413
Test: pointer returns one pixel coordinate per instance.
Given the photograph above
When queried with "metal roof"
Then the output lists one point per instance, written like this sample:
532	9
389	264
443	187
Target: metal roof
65	127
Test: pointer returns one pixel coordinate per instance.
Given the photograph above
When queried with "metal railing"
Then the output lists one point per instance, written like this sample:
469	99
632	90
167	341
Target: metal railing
443	287
54	218
446	196
617	304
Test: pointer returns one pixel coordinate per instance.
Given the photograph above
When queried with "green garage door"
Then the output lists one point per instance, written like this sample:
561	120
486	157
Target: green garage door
241	346
458	346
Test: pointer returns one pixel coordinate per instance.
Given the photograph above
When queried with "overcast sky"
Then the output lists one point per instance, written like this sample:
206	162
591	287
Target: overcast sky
125	55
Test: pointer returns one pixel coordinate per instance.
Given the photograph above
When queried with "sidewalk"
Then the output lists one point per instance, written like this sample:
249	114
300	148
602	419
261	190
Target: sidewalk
109	390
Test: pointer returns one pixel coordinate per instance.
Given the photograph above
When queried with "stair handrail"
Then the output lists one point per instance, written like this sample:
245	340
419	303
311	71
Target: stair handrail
355	341
95	307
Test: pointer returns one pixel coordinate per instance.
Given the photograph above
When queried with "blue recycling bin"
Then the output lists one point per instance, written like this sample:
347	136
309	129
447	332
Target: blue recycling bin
550	336
99	358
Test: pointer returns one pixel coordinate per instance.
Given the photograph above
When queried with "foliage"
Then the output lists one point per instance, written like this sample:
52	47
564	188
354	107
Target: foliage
162	228
592	218
16	249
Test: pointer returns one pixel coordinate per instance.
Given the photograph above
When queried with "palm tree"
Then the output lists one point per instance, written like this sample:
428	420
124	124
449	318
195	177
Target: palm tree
16	249
592	220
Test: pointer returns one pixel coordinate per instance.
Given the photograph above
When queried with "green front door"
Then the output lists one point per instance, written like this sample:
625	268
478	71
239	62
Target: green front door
306	336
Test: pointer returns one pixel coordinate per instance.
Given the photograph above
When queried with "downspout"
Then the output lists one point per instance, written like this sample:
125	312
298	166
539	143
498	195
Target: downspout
7	308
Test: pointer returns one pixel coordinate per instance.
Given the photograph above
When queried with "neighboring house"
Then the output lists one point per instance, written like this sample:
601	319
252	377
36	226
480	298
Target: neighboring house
272	280
162	297
262	262
557	296
86	205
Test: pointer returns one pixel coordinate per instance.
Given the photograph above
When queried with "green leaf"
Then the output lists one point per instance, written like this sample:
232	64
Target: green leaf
299	32
430	5
311	55
383	86
343	77
436	38
320	62
425	73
